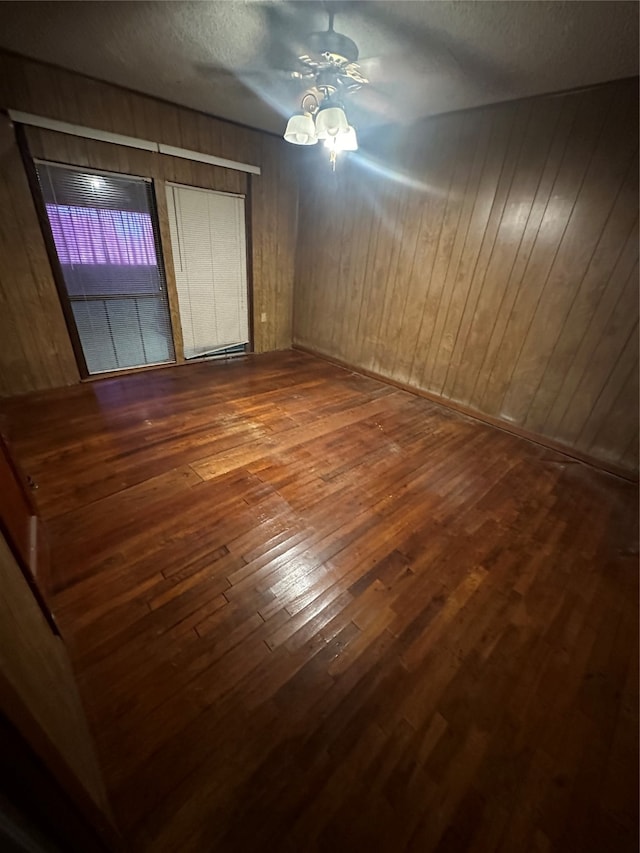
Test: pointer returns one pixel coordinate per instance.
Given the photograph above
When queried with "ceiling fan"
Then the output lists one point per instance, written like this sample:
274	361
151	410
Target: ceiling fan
319	72
322	72
331	72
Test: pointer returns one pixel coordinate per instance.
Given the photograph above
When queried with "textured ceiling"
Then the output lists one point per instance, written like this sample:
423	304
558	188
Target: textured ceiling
424	57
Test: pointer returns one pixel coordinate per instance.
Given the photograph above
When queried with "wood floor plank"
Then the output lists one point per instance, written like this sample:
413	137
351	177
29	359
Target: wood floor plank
309	611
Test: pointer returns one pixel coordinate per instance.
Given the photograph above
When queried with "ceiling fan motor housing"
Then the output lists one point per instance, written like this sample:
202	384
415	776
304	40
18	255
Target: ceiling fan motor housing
333	43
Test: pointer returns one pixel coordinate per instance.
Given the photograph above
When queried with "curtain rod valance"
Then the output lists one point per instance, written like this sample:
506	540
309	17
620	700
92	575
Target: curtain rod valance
129	141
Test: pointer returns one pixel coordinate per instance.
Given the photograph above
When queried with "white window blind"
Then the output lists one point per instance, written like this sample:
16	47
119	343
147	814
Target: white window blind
209	256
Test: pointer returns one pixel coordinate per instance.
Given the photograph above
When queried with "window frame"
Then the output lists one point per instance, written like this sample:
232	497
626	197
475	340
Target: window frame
159	171
66	301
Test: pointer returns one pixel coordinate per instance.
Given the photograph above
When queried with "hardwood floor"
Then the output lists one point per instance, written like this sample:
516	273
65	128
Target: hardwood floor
309	611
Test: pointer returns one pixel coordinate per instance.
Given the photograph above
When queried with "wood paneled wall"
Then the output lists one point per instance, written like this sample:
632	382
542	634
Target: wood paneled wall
37	687
488	258
35	351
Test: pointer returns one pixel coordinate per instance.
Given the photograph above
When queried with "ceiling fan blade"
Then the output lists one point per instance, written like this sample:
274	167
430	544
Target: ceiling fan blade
225	75
371	105
425	49
399	67
482	70
287	26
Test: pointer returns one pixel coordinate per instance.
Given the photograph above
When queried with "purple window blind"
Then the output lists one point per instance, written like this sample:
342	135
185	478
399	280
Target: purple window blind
89	235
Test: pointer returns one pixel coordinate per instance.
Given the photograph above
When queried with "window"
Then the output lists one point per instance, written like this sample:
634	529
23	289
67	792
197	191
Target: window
209	256
106	240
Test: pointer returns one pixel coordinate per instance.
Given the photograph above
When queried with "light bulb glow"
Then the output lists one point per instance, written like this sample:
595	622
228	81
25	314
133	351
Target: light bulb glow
331	121
347	141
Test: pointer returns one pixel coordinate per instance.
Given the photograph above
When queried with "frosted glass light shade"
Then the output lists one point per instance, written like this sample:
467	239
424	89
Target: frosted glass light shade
343	142
301	130
331	121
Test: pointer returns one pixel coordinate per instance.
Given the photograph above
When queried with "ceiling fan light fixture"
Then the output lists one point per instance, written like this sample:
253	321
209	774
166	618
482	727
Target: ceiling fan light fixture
347	141
301	130
331	121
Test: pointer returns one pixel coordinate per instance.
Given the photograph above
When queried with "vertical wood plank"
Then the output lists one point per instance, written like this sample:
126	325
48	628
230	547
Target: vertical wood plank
487	258
160	191
38	352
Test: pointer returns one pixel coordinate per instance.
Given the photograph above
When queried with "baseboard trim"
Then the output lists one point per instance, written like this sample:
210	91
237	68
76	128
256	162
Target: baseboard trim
541	441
